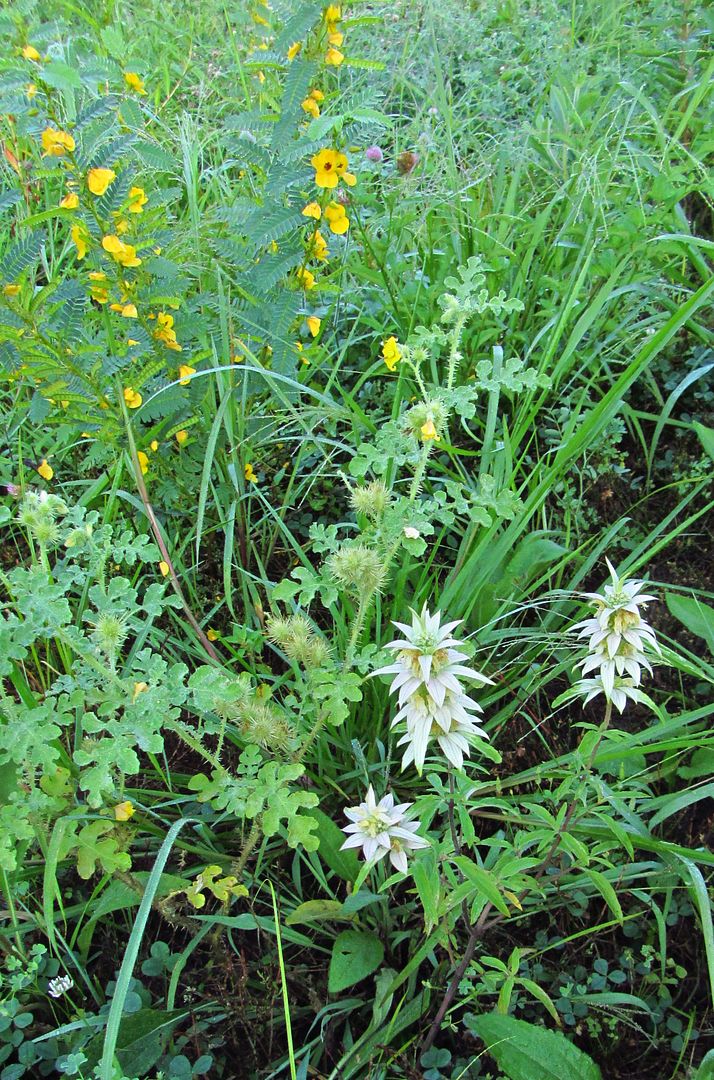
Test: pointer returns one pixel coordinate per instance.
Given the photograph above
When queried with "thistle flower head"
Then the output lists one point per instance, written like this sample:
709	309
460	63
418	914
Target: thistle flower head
432	702
618	640
381	828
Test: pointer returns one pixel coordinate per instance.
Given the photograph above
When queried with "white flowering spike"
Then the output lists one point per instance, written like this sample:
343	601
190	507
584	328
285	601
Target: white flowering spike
618	638
381	828
59	986
431	699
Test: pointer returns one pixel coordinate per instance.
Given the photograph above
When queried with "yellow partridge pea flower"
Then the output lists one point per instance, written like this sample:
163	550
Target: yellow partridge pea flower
98	180
333	56
294	49
55	143
132	397
309	105
137	200
319	246
134	82
46	471
124	254
249	474
30	53
70	201
336	218
127	311
185	373
313	324
165	331
306	278
80	238
98	289
312	210
143	462
330	167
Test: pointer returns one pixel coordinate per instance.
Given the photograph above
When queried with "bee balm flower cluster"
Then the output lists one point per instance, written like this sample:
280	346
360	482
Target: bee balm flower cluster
432	701
381	828
618	639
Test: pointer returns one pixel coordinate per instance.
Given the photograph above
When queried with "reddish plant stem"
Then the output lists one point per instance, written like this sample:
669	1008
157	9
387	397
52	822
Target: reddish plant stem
484	924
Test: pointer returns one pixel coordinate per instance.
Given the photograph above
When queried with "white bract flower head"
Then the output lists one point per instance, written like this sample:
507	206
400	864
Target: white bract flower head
618	639
431	699
381	828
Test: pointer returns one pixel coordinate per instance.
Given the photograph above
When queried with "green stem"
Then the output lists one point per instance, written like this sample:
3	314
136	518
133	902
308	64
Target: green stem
362	609
311	736
13	915
454	354
415	486
250	843
492	412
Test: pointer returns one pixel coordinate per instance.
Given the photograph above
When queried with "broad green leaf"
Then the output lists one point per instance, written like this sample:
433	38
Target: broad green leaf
675	803
316	911
702	900
484	883
526	1051
604	887
706	1068
694	614
426	878
706	437
343	863
355	955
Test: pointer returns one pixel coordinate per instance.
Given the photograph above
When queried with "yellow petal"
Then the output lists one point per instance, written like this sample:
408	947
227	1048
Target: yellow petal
123	811
98	180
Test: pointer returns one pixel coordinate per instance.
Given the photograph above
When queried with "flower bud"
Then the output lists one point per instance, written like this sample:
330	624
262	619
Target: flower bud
426	421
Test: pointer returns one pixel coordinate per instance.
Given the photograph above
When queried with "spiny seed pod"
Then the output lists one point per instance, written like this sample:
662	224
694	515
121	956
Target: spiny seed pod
46	532
38	513
110	633
278	629
264	725
298	640
371	499
358	568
